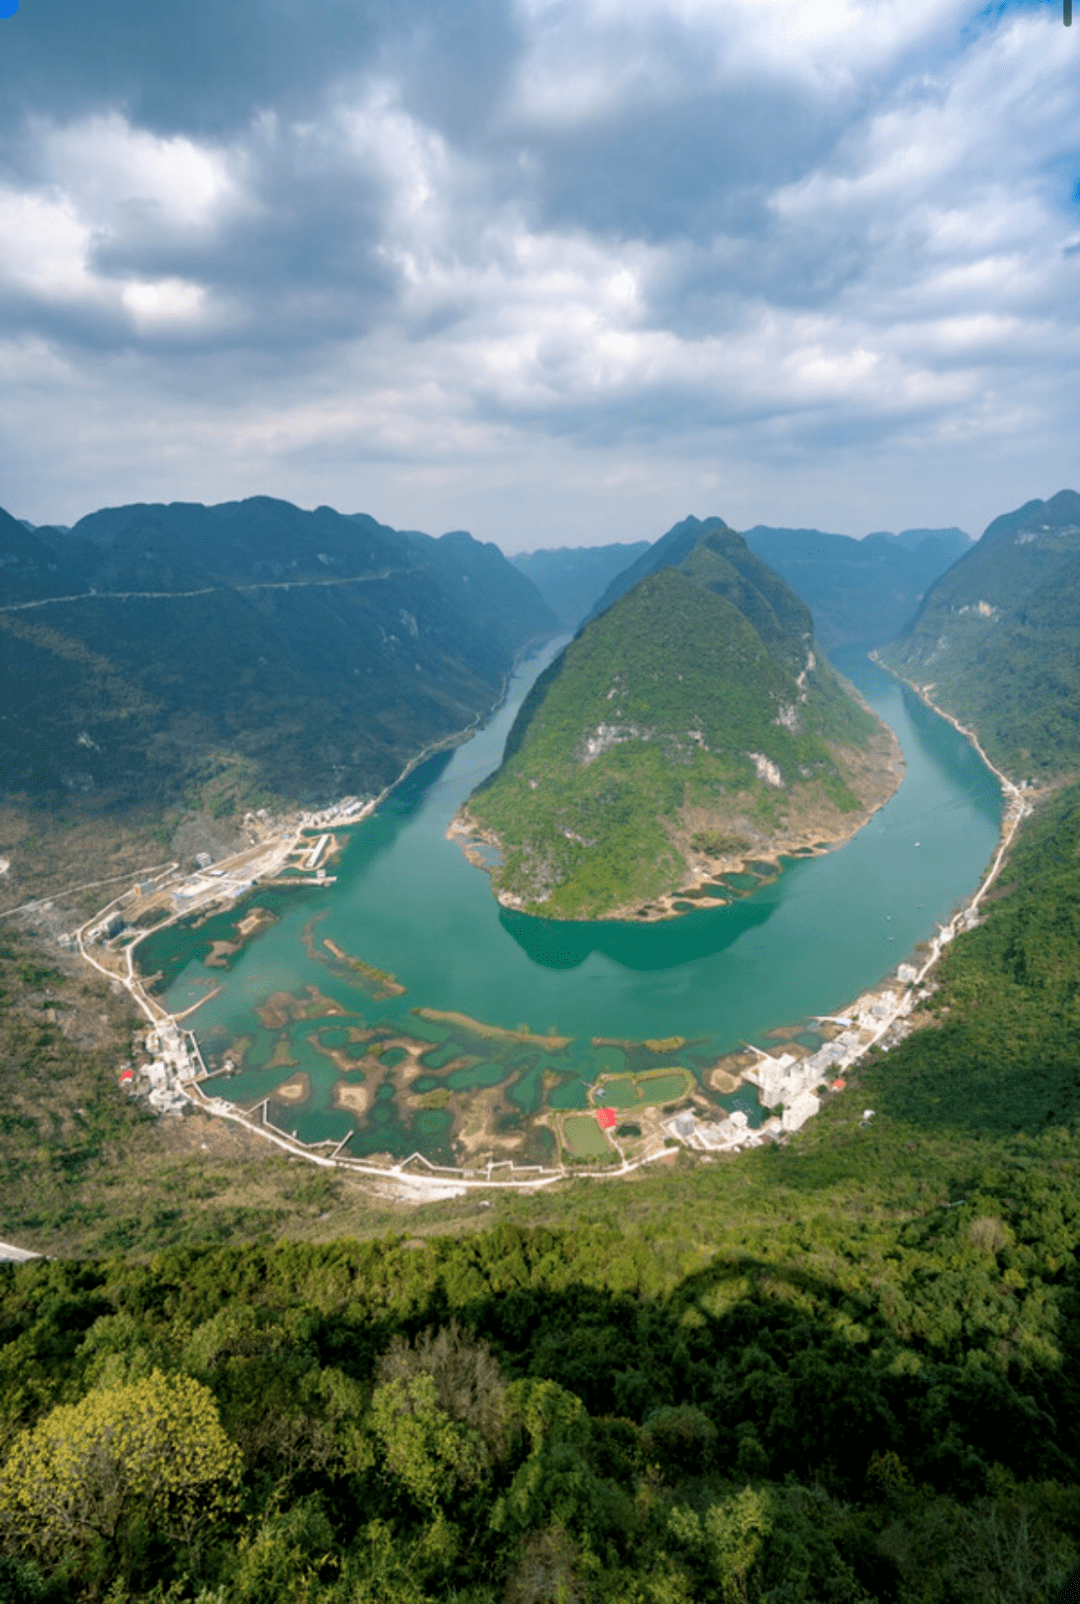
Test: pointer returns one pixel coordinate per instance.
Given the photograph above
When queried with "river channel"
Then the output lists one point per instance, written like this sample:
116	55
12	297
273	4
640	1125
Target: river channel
407	903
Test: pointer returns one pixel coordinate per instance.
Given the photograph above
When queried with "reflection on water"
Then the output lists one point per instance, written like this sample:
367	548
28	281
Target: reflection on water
565	944
408	904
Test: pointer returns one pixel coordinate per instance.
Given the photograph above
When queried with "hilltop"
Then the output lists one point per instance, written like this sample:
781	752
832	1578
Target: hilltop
859	592
690	728
997	640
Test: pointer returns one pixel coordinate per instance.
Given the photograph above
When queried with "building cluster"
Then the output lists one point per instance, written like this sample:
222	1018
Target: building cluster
729	1135
174	1063
348	811
790	1086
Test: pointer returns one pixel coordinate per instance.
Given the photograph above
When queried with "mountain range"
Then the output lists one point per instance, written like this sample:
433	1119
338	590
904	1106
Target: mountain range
860	592
570	578
248	649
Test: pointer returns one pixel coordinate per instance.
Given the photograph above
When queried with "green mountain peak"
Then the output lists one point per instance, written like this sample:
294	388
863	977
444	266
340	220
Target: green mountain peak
688	729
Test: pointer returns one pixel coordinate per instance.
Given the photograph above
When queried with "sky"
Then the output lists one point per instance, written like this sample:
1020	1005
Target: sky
555	271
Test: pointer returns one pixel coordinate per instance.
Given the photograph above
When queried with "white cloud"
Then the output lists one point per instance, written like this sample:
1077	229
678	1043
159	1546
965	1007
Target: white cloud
168	301
362	279
118	175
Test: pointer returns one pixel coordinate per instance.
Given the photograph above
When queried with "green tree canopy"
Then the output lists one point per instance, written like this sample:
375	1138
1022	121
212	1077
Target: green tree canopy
153	1448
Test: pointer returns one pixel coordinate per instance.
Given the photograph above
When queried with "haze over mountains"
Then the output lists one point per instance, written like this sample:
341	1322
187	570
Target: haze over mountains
570	578
252	648
861	592
690	727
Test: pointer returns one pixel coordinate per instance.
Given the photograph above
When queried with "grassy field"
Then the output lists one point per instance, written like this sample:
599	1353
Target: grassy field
648	1090
584	1138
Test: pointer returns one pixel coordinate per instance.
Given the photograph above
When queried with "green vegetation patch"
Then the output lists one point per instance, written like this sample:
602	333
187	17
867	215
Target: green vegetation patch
647	1090
998	637
584	1137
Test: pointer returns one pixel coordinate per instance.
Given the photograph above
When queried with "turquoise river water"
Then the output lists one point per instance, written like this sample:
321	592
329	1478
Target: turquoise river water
407	902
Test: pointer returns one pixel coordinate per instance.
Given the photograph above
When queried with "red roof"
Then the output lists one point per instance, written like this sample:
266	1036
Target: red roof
126	1074
839	1085
606	1118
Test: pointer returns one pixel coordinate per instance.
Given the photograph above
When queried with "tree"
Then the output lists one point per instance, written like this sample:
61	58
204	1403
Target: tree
152	1450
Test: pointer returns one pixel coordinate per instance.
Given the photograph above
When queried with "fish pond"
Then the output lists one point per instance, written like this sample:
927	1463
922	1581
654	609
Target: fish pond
403	1005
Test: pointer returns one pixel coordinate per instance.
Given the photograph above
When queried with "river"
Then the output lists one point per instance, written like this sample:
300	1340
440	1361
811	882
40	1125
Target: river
407	901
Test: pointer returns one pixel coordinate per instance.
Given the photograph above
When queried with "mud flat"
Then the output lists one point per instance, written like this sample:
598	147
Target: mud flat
283	1006
726	1075
220	953
655	1044
297	1089
351	1095
377	981
476	1027
281	1058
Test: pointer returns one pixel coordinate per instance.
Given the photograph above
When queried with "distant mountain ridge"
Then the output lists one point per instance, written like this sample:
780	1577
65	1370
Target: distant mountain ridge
860	592
998	638
570	578
306	654
688	729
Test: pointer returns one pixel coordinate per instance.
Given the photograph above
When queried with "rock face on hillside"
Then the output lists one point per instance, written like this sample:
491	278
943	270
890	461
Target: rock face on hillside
254	650
997	640
691	728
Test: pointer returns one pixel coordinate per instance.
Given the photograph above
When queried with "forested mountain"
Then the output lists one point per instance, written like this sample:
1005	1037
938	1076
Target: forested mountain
688	728
861	592
294	655
998	638
570	578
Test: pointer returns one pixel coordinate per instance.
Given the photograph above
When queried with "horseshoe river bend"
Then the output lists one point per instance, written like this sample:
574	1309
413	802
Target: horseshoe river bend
403	1004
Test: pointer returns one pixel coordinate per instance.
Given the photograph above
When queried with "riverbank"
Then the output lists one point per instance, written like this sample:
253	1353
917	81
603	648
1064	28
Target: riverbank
409	840
716	848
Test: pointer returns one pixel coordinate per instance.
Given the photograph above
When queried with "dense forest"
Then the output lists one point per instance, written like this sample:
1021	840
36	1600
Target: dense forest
845	1369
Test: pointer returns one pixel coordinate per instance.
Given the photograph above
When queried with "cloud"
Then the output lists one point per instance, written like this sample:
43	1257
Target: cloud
449	250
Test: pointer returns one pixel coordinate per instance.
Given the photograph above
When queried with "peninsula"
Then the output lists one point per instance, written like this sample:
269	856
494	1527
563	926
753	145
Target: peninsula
690	731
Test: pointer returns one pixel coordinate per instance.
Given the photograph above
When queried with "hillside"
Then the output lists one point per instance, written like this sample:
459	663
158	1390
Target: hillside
667	552
860	592
998	638
570	578
688	729
252	650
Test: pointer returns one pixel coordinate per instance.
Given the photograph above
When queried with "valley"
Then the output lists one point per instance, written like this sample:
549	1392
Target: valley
459	1078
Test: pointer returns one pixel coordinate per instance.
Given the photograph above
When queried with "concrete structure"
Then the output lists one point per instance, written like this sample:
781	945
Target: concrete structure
802	1108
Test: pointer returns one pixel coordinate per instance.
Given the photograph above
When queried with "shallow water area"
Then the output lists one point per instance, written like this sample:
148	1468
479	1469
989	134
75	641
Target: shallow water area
512	1003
